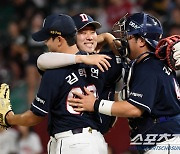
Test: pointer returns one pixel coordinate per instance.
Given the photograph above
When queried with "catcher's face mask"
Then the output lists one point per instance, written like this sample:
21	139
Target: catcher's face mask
144	25
119	30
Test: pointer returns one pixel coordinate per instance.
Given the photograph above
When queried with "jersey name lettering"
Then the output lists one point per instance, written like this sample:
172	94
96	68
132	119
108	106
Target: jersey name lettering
71	79
94	72
82	72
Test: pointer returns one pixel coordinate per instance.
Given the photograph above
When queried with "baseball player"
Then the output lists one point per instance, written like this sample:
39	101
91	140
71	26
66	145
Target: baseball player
74	132
86	40
151	93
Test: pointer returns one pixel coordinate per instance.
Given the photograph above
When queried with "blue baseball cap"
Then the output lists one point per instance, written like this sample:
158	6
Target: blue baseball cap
81	20
55	24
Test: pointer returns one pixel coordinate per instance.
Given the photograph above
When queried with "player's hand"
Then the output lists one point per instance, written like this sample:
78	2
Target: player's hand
84	102
101	61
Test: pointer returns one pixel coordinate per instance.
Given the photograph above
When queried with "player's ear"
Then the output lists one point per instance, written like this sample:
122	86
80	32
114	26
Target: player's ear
141	42
59	40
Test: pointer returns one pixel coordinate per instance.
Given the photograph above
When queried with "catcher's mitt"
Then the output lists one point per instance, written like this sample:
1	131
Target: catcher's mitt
5	105
168	49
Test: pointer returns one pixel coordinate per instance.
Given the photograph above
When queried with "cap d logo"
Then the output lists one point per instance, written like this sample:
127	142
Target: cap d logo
132	24
84	17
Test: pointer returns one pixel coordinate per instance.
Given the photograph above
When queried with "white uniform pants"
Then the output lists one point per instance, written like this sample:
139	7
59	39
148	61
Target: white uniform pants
171	146
88	142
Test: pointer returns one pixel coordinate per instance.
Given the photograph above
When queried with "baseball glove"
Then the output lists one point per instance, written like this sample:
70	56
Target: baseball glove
5	105
168	49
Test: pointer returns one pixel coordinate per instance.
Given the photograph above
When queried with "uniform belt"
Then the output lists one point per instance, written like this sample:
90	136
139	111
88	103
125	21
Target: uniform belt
78	130
75	131
166	118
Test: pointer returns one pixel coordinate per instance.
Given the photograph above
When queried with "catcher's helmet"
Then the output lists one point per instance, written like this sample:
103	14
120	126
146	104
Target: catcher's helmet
142	24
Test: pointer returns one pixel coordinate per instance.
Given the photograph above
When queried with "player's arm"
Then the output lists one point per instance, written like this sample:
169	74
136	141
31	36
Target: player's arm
119	108
107	38
27	118
51	60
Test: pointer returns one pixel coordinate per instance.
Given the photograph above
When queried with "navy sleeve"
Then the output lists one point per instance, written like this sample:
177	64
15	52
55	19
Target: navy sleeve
47	93
114	73
143	89
40	71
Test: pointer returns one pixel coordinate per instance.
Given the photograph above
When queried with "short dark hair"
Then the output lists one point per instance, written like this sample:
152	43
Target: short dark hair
70	39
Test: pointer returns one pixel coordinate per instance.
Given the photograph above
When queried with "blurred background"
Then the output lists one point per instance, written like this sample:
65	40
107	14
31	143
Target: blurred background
18	55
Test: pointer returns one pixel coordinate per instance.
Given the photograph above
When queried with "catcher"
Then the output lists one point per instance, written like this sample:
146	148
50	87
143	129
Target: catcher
151	98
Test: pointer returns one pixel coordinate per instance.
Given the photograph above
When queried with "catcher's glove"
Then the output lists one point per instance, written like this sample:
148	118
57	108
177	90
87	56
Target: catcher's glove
5	106
168	49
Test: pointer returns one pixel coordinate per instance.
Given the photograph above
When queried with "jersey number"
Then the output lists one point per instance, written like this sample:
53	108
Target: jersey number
91	88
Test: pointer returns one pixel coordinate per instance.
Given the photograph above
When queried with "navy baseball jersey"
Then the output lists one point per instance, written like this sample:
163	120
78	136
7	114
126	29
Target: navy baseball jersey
154	89
57	86
105	121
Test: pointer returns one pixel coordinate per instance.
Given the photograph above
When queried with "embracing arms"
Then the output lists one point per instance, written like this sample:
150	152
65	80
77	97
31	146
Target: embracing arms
52	60
89	103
